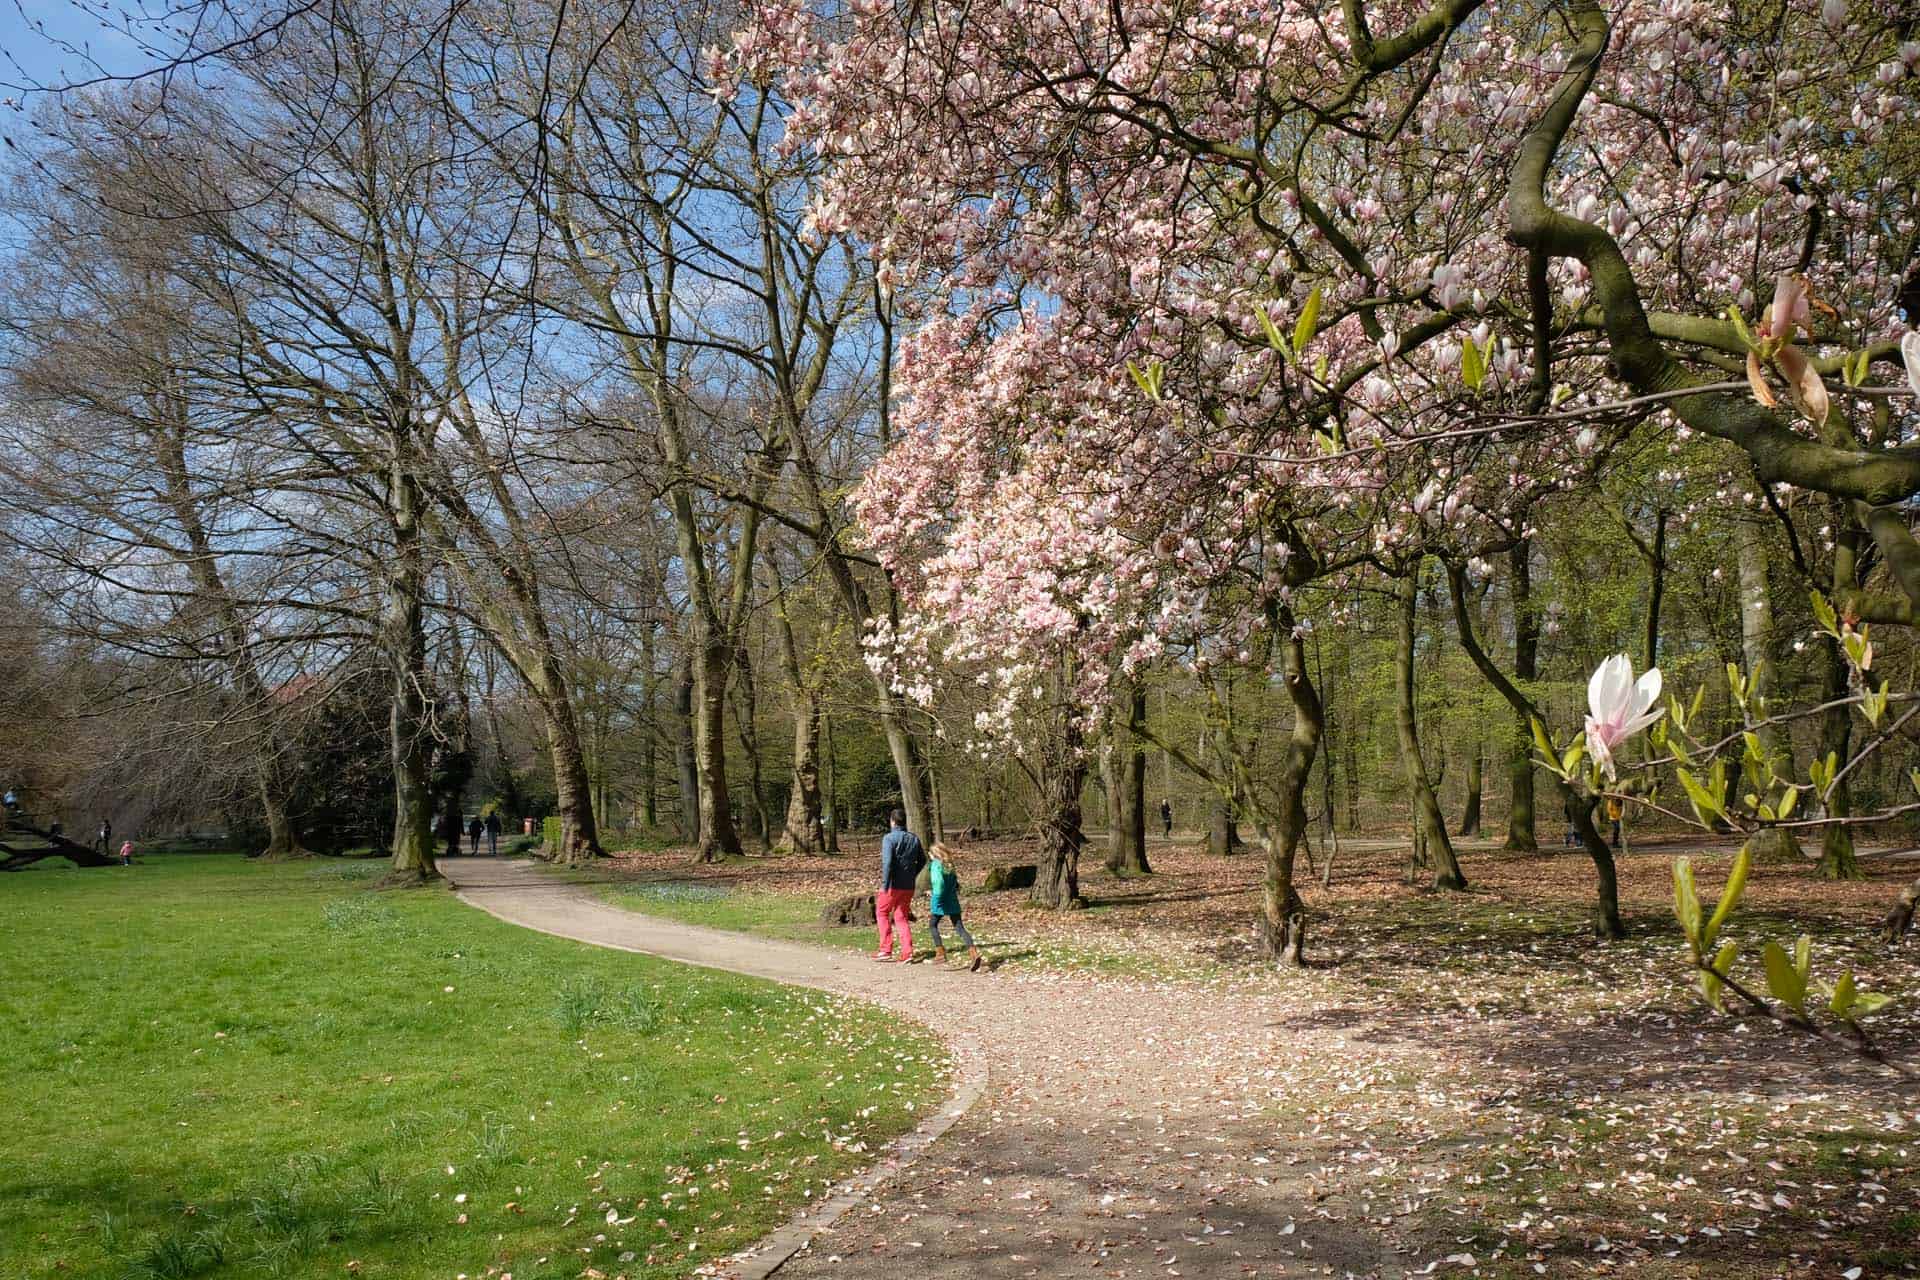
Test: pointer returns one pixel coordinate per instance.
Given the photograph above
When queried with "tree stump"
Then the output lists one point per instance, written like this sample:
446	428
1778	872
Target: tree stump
1009	877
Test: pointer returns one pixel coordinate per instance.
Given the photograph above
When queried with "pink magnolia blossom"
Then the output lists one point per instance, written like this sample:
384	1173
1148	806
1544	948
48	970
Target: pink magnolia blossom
1790	314
1619	707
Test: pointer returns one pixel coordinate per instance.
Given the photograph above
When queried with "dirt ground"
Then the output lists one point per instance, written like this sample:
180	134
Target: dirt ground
1460	1084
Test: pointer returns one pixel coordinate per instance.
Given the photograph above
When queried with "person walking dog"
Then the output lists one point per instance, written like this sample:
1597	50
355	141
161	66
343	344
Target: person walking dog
944	896
901	858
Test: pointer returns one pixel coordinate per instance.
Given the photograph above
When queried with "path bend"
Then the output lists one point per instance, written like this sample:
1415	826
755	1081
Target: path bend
1098	1127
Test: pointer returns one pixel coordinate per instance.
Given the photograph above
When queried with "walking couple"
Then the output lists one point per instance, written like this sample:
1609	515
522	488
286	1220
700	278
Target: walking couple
901	859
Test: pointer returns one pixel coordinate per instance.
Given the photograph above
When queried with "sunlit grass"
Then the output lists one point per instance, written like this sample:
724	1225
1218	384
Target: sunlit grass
224	1068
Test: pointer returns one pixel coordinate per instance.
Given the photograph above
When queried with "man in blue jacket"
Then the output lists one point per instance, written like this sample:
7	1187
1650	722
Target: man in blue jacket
901	858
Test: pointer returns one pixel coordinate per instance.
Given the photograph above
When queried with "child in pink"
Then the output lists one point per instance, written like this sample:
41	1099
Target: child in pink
126	854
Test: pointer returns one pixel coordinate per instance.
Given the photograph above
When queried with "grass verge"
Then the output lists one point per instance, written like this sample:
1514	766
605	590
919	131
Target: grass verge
224	1068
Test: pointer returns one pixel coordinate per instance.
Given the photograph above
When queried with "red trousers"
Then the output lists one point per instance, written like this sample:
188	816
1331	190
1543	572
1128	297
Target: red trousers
890	914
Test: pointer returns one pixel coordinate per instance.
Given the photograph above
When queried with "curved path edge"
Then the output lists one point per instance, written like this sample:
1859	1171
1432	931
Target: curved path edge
520	893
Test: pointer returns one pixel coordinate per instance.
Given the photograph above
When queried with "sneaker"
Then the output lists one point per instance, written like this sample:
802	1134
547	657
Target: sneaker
881	955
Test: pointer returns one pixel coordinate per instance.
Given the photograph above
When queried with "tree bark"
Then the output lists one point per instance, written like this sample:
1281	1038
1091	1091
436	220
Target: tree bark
1606	911
801	832
1522	835
748	730
579	832
831	834
1430	825
403	641
718	839
685	774
1470	820
1063	773
1127	790
1281	927
650	739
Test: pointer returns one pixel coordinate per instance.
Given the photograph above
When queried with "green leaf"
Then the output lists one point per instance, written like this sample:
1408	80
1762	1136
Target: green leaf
1783	980
1823	614
1473	371
1844	991
1740	324
1148	380
1303	328
1803	958
1870	1002
1738	683
1788	799
1699	697
1913	776
1873	705
1275	339
1706	804
1711	983
1570	758
1821	772
1686	904
1729	894
1320	368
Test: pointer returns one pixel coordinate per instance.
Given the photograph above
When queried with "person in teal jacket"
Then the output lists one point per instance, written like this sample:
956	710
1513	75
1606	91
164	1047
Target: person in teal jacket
943	893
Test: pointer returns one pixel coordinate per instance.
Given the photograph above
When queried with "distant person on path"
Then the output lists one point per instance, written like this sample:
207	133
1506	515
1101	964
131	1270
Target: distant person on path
474	828
493	834
450	832
11	801
126	854
1573	831
943	897
105	840
901	857
1166	819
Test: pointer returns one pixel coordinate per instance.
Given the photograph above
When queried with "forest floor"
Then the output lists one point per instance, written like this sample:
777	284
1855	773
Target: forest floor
1461	1084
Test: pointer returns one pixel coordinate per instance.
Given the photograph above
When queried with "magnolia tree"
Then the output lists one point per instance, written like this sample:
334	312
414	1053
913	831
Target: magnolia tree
1215	300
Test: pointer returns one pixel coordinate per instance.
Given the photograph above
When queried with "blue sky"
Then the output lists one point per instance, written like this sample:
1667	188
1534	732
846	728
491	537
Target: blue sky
32	31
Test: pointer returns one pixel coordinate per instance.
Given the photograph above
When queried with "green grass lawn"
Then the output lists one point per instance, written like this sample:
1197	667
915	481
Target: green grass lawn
765	915
224	1068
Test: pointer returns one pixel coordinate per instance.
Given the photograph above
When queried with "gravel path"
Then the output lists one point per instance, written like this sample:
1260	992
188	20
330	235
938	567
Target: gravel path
1124	1129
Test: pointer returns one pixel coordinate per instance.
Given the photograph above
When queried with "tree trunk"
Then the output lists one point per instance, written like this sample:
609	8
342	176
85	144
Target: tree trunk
1606	913
1521	833
801	832
650	732
1127	792
831	834
1281	927
579	832
1429	825
1063	773
282	840
1223	831
169	447
1774	844
403	640
685	774
1470	820
1656	592
718	839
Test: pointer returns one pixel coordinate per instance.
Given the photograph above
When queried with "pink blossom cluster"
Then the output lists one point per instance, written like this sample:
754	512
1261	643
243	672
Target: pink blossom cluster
1102	220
